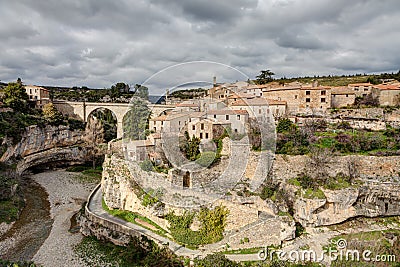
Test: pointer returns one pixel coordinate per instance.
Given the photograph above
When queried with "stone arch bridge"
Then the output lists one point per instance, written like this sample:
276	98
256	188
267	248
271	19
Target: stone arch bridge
82	110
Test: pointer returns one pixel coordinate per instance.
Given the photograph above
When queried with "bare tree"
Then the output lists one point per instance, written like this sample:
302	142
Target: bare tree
353	169
318	164
94	139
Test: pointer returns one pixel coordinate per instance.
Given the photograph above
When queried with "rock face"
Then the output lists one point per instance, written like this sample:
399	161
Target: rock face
37	139
120	191
377	194
70	155
369	200
372	168
252	217
44	145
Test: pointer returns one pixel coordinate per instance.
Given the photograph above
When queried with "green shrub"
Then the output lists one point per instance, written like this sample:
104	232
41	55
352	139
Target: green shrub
284	125
268	191
212	225
214	260
207	158
146	165
313	194
151	197
139	252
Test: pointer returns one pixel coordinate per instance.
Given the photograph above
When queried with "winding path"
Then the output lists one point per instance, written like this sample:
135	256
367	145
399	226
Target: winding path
94	207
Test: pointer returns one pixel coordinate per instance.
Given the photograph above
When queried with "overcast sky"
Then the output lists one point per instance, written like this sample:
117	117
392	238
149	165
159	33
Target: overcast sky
97	43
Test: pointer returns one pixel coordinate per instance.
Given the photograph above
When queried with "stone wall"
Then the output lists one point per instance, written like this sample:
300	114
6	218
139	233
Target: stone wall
120	191
272	231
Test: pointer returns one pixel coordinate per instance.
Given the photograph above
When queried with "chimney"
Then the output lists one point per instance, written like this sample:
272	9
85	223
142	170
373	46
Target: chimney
214	81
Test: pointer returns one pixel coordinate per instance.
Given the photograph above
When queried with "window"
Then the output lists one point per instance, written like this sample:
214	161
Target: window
227	117
365	89
238	117
308	100
308	92
179	122
201	135
236	130
323	92
206	135
355	88
155	129
295	97
202	126
215	116
323	100
194	127
259	111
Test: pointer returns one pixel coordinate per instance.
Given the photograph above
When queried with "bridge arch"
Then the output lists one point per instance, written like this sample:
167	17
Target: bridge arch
109	119
82	110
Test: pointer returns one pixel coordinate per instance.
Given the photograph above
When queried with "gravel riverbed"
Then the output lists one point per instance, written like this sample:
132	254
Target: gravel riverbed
66	194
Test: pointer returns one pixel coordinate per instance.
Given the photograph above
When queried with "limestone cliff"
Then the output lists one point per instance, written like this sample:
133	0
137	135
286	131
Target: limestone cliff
370	200
37	139
376	193
250	218
44	145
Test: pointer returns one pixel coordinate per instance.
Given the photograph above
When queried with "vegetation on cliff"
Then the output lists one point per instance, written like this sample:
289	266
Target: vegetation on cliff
11	201
340	139
212	224
139	252
188	94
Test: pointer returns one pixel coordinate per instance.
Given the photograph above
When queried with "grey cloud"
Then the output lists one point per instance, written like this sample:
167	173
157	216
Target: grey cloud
97	42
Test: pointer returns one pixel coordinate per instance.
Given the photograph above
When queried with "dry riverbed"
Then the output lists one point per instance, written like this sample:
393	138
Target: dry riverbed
67	191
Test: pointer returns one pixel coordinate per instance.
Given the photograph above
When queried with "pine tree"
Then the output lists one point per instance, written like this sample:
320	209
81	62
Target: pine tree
15	96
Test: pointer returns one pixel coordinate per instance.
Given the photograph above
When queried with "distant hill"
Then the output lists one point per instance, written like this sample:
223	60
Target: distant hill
156	99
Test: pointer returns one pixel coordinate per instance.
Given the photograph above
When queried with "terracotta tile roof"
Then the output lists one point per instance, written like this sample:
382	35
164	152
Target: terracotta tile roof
275	102
139	143
258	101
170	116
342	91
155	135
35	87
359	84
196	114
384	87
160	118
315	88
227	112
241	95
